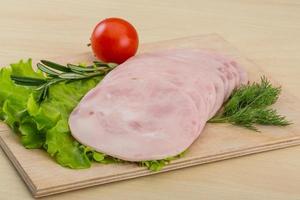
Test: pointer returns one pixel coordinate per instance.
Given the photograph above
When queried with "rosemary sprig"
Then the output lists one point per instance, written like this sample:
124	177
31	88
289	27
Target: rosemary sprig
249	105
55	73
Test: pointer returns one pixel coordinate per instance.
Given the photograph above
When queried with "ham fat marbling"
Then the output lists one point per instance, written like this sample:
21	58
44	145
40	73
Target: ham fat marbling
155	105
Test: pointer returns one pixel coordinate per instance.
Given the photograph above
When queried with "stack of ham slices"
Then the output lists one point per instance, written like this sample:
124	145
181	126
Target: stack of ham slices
155	105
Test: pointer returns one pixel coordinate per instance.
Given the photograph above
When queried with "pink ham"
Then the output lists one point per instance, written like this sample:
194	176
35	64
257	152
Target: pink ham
198	86
136	119
178	72
155	105
210	61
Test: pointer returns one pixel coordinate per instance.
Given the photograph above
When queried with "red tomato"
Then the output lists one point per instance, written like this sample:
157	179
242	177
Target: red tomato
114	40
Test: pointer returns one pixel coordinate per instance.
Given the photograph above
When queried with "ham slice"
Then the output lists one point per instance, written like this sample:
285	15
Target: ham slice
155	105
197	85
136	119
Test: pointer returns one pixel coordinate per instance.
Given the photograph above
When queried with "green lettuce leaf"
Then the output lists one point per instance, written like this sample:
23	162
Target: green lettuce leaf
13	98
31	137
45	125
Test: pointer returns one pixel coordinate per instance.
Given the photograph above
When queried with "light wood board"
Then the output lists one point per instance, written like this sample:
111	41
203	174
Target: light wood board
218	141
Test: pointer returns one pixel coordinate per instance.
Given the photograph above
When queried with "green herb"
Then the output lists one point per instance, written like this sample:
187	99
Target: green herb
56	73
249	105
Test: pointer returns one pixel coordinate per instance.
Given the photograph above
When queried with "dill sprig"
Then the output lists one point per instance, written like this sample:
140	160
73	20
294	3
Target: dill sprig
55	73
249	105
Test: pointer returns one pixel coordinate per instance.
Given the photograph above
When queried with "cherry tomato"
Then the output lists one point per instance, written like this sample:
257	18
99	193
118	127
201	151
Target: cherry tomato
114	40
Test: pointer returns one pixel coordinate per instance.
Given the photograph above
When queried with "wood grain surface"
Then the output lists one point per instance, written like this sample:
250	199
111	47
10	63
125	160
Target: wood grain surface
267	31
216	142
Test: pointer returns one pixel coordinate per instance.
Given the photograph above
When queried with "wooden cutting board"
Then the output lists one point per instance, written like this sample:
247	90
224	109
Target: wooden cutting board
217	142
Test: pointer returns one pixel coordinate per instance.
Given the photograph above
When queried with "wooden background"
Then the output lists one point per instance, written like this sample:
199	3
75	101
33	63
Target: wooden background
267	31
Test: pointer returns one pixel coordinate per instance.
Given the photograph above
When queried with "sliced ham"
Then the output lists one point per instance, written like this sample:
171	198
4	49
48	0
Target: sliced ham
155	105
136	119
197	85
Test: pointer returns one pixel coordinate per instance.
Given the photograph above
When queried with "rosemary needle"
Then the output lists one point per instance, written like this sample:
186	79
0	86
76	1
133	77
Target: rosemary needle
55	73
